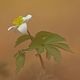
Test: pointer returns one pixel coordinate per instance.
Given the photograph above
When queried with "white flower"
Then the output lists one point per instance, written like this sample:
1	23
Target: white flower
20	24
22	28
27	18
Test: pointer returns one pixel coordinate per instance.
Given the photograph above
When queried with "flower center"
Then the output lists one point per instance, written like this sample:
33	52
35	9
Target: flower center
18	21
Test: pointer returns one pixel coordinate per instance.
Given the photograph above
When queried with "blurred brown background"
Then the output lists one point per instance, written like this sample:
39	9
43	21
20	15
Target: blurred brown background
60	16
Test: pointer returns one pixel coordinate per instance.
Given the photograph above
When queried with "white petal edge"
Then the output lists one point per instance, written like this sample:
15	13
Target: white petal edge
22	28
11	28
27	18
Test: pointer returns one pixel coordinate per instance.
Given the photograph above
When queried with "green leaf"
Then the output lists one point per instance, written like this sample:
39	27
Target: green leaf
63	46
20	60
36	44
42	38
40	49
53	51
21	39
49	37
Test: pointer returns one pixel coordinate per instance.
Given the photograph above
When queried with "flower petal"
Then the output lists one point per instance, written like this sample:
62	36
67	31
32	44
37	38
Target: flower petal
11	28
27	18
22	28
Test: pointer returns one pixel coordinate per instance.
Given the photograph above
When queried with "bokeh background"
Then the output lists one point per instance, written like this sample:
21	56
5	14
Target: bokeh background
59	16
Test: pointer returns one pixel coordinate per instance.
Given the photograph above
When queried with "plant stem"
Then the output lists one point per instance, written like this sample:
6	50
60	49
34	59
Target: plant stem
40	57
41	60
30	35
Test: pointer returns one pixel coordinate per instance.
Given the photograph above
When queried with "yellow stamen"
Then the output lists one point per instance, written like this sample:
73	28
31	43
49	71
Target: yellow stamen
18	21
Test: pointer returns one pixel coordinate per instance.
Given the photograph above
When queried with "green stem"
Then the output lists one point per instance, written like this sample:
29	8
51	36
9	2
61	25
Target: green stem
41	60
30	35
40	57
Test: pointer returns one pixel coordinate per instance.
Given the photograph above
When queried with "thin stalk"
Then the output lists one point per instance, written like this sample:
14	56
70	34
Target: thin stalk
40	57
41	60
30	35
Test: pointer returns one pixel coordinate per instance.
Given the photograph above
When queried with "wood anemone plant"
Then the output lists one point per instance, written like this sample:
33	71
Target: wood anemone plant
43	41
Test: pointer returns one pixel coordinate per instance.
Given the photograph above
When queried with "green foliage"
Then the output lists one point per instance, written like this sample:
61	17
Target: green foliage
43	41
37	44
20	60
63	46
42	38
49	38
53	51
21	39
50	42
